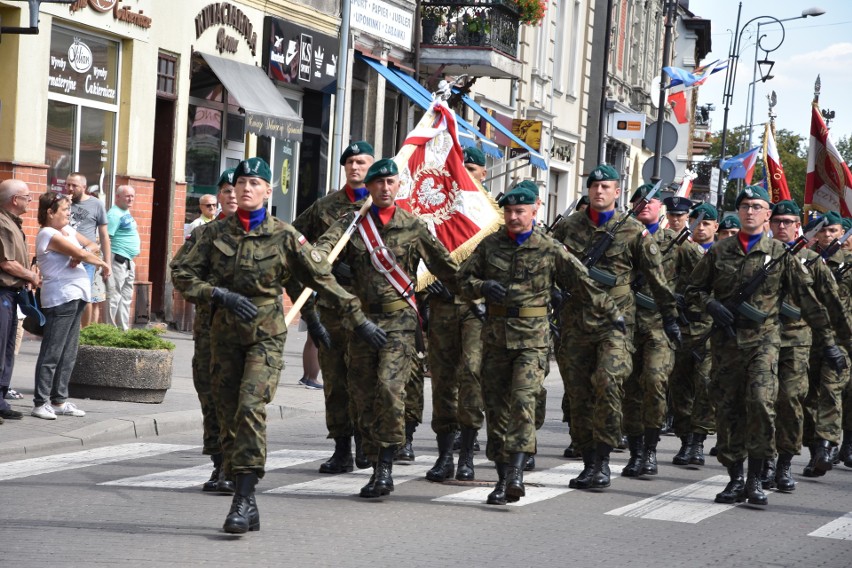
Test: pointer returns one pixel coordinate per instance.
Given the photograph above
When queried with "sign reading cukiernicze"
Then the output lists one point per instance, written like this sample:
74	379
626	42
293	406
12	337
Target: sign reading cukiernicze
383	21
83	65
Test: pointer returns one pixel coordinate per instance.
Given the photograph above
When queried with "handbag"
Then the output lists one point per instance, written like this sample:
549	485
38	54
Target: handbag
34	319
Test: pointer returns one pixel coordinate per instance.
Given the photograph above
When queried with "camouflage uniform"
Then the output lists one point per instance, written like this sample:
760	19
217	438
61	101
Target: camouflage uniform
248	356
514	359
378	379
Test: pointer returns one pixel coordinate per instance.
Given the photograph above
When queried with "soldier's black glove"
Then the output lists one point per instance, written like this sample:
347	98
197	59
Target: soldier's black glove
316	330
493	291
237	303
620	325
721	315
372	334
438	290
478	310
834	357
672	330
556	299
681	302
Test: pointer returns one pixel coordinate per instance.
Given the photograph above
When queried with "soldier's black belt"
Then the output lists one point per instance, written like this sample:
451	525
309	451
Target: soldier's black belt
390	307
504	311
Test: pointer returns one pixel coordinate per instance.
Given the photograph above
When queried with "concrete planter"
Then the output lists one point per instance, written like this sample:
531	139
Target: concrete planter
127	375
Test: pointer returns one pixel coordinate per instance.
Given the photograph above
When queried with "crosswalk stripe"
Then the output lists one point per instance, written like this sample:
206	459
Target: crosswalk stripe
85	458
549	483
840	528
690	504
194	476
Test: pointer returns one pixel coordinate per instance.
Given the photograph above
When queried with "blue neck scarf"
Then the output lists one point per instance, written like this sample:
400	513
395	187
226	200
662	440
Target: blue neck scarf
599	218
653	227
251	219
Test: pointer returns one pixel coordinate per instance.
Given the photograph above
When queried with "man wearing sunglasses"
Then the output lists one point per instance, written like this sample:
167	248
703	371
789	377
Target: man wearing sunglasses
208	206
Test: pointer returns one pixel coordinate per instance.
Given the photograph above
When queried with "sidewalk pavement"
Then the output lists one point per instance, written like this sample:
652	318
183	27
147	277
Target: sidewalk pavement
108	421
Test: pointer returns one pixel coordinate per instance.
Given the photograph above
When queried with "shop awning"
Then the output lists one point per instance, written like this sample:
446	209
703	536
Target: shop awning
423	98
267	112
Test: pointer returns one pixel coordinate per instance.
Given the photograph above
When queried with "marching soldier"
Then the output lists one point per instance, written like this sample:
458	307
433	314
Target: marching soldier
594	365
729	227
239	266
515	270
726	283
356	159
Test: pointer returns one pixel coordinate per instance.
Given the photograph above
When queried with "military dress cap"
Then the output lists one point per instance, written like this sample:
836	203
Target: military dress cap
847	223
603	172
524	193
677	205
381	169
253	167
753	192
832	218
473	155
642	191
730	222
710	212
356	149
786	207
226	177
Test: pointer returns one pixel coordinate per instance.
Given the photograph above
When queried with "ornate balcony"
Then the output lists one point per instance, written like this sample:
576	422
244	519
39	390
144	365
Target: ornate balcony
477	37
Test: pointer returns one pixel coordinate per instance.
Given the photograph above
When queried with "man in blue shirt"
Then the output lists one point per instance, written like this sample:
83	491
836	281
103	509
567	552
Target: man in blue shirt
125	246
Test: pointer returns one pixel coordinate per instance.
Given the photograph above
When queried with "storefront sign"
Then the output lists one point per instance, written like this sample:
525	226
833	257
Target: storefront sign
82	65
299	55
123	14
226	14
383	21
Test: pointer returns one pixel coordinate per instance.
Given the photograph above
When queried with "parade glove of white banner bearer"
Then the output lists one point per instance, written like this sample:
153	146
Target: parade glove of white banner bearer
834	357
493	291
237	303
372	334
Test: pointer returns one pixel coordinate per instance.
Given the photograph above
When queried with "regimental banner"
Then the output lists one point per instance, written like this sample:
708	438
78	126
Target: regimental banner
299	55
828	182
83	65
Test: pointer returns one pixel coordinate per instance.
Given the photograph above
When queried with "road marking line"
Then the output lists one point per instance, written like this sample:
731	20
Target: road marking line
554	482
690	504
194	476
85	458
840	528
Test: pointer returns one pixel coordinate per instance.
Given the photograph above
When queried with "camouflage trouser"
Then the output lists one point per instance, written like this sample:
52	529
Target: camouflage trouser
693	409
203	381
593	373
378	386
335	385
455	358
824	403
644	404
414	399
246	367
792	389
747	381
541	403
847	406
511	383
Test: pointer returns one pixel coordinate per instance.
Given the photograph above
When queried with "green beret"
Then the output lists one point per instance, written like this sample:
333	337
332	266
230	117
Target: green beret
524	193
847	224
753	192
253	167
474	155
226	177
642	191
730	222
786	207
381	169
832	218
710	212
603	172
677	205
356	149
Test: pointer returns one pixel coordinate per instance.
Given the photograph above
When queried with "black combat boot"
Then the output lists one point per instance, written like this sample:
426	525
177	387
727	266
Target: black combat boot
341	460
584	480
498	496
636	444
361	461
845	453
601	476
622	444
810	470
652	435
695	452
381	482
464	471
753	488
767	474
735	489
784	473
571	451
682	455
243	516
444	466
212	484
529	465
515	477
405	452
822	457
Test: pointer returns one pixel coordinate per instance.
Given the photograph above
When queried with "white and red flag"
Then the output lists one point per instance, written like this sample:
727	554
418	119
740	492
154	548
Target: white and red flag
828	184
776	181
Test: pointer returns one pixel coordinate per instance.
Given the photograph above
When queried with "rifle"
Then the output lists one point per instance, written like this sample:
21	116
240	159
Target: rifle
841	270
685	233
831	248
549	229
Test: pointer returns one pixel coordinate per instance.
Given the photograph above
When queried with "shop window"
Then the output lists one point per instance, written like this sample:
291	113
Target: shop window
167	76
203	155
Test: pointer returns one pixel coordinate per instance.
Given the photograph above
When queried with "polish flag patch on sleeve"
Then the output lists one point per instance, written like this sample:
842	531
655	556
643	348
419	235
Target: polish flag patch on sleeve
302	240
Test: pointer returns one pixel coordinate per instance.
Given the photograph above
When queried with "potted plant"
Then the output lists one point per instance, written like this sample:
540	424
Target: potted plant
531	12
128	366
431	20
477	26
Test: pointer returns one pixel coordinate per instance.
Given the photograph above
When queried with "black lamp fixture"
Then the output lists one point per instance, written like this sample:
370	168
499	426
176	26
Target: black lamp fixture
765	65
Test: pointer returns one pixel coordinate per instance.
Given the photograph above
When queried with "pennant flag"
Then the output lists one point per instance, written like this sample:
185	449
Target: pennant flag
685	188
696	78
679	106
741	166
828	184
435	186
776	181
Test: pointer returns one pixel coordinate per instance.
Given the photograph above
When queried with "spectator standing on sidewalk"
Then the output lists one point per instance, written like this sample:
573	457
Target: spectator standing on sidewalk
89	218
125	246
207	206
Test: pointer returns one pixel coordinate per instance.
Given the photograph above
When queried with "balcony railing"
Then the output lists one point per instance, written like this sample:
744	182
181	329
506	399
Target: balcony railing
471	23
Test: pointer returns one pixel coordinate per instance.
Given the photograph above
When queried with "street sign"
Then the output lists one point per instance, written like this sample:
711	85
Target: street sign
669	137
667	170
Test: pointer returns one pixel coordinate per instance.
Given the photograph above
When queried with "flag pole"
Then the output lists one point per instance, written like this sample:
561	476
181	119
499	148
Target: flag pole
767	173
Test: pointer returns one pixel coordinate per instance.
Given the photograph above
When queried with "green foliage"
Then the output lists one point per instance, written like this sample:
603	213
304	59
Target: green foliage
103	335
844	146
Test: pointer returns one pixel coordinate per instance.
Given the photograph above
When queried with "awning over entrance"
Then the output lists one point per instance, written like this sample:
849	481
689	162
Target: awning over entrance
267	112
423	98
